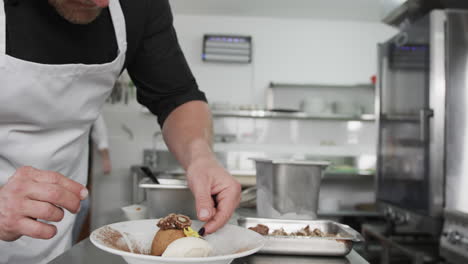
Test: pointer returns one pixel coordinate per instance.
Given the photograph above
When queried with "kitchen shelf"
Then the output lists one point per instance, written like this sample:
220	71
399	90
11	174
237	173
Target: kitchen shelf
315	86
247	178
294	115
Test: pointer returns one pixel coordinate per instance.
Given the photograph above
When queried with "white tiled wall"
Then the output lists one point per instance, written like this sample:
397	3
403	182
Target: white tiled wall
313	136
298	138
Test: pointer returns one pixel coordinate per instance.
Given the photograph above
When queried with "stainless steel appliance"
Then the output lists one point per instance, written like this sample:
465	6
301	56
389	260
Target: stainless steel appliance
422	122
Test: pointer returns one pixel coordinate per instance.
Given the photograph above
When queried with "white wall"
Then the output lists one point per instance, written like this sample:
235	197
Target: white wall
355	10
285	50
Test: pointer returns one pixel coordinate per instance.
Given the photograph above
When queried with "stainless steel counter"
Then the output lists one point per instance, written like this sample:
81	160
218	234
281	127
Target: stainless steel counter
85	253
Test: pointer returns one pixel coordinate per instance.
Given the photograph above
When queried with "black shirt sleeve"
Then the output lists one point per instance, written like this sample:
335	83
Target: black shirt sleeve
159	69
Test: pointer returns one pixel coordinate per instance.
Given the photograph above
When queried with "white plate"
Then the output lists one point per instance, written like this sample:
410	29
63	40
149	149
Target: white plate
123	238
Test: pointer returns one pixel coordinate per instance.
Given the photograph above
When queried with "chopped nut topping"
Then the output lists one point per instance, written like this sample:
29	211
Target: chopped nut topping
174	221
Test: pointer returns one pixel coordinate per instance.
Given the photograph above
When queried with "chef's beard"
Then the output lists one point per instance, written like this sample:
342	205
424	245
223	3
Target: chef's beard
74	15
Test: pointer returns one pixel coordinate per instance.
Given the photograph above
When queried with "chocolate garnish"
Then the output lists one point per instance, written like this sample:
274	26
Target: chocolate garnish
174	221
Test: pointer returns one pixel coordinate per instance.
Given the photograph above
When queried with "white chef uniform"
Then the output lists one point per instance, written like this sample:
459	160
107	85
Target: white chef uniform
46	112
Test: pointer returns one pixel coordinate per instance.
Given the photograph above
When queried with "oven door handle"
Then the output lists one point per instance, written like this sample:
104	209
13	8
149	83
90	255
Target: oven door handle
424	115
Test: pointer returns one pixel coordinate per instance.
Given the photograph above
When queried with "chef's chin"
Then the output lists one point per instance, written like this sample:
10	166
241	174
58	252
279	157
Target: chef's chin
74	13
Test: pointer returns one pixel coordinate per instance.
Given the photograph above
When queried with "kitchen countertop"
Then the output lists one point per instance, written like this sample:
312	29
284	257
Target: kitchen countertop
86	252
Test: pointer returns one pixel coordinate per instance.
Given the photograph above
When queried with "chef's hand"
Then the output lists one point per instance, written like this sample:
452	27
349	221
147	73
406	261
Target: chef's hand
206	177
32	194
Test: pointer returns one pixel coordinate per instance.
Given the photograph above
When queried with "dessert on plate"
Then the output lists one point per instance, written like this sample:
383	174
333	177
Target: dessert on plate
175	238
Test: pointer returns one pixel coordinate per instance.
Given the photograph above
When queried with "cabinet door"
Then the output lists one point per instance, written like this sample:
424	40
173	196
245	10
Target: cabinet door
403	119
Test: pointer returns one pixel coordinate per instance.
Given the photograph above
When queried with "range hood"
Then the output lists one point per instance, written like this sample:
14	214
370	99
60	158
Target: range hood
400	13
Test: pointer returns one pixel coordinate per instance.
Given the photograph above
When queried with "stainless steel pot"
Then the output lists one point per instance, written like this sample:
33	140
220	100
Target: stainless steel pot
170	196
288	188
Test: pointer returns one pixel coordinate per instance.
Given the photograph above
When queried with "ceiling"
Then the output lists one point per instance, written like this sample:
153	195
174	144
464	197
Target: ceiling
362	10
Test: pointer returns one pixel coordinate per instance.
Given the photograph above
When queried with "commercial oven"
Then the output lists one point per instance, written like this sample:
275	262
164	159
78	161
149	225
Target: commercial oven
423	122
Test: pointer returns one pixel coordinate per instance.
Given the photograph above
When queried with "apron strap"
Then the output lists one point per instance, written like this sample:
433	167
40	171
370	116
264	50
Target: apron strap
2	30
118	21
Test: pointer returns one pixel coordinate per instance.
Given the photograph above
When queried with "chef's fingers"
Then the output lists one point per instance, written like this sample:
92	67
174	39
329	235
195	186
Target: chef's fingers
57	178
54	194
204	202
36	229
228	200
42	210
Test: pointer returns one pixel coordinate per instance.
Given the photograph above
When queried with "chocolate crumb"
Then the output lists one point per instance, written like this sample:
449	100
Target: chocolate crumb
261	229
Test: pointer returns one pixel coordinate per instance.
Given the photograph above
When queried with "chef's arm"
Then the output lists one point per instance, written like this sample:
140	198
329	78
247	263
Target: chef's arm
188	134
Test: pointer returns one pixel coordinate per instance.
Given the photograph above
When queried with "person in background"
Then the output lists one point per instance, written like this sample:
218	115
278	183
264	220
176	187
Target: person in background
100	139
59	60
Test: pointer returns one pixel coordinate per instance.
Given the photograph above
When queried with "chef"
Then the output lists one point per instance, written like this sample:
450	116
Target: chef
59	60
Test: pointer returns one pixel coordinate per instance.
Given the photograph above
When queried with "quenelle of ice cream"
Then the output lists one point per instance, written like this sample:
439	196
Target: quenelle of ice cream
188	247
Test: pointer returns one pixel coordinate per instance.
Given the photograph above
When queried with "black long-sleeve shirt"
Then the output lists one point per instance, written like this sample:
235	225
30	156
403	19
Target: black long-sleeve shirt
154	60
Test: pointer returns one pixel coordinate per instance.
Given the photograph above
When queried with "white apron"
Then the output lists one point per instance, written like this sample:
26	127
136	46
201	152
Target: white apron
46	112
